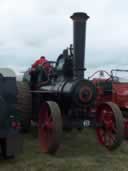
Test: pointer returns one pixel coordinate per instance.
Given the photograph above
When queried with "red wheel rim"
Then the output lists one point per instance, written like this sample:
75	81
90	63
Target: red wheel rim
46	127
107	132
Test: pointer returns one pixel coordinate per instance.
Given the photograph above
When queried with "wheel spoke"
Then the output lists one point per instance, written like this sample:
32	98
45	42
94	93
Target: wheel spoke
102	136
101	133
114	129
109	138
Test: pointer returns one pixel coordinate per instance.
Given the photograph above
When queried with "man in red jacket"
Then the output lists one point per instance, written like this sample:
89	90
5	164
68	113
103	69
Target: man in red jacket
42	62
37	73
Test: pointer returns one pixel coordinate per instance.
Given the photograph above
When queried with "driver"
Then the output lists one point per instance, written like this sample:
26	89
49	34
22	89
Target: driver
42	61
36	72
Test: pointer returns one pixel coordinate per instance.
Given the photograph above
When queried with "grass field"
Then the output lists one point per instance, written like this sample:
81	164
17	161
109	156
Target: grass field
78	152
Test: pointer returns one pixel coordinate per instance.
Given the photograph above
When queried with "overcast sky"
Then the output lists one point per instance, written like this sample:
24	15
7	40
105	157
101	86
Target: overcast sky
31	28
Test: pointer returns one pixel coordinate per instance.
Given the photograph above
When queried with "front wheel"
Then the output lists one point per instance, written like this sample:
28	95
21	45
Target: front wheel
110	132
50	127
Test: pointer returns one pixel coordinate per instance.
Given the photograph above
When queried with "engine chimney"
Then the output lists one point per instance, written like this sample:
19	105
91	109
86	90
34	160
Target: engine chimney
79	33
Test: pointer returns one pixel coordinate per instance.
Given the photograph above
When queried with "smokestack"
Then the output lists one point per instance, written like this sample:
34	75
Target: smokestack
79	33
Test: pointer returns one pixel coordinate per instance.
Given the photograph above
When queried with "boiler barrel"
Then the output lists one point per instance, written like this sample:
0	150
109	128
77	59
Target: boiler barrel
78	92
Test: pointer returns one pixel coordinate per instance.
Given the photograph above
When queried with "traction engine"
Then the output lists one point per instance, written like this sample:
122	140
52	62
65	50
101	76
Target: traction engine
113	87
62	98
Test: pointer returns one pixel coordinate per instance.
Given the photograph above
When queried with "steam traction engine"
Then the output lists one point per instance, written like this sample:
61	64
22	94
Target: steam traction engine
62	98
113	87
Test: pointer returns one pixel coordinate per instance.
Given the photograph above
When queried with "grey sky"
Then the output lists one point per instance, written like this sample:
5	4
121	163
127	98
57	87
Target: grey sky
31	28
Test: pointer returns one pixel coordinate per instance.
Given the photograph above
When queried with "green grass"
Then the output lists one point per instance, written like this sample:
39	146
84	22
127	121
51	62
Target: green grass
79	151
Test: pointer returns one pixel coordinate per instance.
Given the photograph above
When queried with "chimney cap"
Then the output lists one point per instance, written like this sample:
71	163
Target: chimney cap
79	16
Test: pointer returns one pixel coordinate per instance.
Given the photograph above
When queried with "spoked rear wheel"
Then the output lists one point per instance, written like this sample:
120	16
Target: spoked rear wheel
50	127
110	133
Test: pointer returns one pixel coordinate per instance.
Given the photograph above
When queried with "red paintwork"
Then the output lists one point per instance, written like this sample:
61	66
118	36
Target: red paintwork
100	92
118	95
